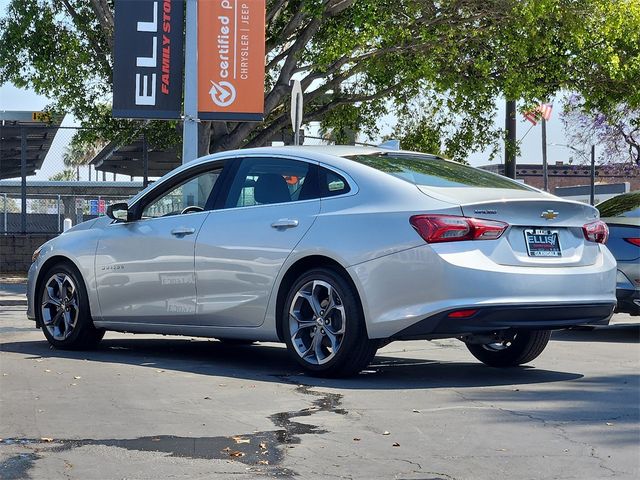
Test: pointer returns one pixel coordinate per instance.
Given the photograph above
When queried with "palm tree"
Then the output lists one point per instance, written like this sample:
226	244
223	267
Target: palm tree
79	153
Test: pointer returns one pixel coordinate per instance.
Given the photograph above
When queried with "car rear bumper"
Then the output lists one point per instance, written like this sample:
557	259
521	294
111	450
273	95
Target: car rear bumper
504	317
409	287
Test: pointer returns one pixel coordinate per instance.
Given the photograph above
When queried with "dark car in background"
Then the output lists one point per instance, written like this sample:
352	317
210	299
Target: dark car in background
622	215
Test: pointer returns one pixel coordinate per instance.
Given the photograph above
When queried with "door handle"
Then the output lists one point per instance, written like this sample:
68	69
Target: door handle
181	232
285	223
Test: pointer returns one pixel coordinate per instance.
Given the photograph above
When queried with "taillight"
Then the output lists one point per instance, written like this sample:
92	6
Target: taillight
450	228
633	241
596	231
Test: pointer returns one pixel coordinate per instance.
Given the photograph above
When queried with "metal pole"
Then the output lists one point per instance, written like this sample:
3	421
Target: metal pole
545	173
510	143
6	207
59	221
592	196
190	124
23	174
145	161
296	133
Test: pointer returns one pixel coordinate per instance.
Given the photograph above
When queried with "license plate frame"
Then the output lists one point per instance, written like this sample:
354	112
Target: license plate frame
542	243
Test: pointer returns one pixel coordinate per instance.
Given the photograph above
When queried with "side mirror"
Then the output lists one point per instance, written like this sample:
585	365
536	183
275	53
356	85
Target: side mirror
118	211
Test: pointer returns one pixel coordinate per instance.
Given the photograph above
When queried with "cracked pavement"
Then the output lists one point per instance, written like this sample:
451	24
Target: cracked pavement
151	407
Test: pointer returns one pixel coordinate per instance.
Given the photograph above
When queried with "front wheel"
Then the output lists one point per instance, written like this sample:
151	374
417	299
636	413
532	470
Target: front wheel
63	310
324	327
519	348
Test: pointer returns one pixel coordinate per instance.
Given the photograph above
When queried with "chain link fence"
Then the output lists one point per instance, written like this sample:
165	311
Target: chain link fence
46	213
47	176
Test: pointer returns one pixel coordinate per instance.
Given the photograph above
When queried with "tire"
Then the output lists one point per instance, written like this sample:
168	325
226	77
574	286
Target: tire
62	308
343	348
523	347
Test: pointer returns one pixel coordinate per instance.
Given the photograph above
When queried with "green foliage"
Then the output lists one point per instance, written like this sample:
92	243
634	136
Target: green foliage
67	175
358	61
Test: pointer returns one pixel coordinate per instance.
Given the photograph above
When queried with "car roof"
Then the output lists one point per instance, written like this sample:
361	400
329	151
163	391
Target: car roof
333	155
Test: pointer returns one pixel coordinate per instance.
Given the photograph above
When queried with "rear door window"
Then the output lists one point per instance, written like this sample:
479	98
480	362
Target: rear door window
264	181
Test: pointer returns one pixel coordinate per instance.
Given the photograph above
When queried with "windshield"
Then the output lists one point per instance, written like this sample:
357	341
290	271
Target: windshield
626	205
435	172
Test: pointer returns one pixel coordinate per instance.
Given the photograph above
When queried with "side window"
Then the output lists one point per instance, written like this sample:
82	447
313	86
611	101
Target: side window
332	184
193	192
263	181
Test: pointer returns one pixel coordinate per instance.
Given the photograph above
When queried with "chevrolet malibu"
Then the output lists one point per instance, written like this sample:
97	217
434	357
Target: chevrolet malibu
334	251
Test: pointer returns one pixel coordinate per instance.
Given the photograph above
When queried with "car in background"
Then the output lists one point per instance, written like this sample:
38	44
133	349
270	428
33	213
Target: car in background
335	251
622	215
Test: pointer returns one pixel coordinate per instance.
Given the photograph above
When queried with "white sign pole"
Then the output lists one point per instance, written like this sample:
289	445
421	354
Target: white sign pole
296	110
190	123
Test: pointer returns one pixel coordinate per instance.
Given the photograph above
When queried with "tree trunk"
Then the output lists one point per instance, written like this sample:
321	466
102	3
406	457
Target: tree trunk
204	138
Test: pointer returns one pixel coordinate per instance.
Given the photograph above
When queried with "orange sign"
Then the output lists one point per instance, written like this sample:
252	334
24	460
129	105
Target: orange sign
231	59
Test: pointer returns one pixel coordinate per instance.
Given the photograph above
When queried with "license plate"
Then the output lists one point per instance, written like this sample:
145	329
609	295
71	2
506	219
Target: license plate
542	243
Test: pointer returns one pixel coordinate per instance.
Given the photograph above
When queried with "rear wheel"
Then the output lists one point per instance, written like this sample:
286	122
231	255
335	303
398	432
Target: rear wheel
63	310
324	326
519	348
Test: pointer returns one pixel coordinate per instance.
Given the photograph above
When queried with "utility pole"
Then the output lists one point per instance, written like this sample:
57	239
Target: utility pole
592	196
190	122
510	141
545	174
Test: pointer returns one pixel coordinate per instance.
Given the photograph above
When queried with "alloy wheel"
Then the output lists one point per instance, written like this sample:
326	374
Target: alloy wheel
317	322
60	306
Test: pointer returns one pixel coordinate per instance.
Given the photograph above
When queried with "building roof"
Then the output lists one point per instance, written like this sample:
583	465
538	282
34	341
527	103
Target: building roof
39	135
127	160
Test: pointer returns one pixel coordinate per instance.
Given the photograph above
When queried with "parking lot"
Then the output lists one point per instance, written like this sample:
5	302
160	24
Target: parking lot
150	407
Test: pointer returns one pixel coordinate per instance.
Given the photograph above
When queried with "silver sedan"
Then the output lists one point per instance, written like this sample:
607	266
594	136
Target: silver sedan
334	251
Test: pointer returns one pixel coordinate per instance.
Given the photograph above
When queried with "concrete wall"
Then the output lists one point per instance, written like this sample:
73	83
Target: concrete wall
16	251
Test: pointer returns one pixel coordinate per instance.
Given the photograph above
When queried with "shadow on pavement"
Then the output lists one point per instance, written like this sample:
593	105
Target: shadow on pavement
608	334
270	362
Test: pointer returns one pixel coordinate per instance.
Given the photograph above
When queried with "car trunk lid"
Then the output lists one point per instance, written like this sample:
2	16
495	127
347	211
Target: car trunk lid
543	231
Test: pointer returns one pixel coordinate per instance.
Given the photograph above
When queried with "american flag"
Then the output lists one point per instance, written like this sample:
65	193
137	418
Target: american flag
541	111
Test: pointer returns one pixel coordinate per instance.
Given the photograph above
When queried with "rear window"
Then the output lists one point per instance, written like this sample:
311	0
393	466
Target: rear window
626	205
435	172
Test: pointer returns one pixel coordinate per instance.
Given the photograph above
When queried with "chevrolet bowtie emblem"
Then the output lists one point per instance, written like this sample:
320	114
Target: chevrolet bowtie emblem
549	214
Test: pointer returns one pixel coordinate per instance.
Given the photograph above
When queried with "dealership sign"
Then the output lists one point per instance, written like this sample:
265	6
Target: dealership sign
231	60
148	59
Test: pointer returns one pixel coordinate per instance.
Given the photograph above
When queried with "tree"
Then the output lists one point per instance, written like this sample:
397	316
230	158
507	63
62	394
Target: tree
80	150
67	175
616	133
356	60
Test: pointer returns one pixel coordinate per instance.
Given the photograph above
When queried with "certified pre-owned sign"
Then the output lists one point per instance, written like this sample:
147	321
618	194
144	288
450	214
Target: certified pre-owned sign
231	59
148	60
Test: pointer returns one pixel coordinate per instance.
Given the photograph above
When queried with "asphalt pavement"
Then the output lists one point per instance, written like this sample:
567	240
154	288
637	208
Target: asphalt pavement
153	407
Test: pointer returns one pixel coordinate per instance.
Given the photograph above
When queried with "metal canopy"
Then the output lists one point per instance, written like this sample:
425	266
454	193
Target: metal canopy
39	138
127	160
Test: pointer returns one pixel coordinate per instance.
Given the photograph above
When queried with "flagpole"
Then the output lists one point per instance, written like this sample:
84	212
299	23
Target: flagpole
545	176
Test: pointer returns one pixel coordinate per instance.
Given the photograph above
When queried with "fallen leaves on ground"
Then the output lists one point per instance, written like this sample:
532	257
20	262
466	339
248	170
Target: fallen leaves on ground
236	454
241	440
263	462
263	445
46	439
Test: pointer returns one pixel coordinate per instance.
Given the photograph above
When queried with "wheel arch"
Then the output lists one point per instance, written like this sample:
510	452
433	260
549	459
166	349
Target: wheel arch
48	263
298	268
